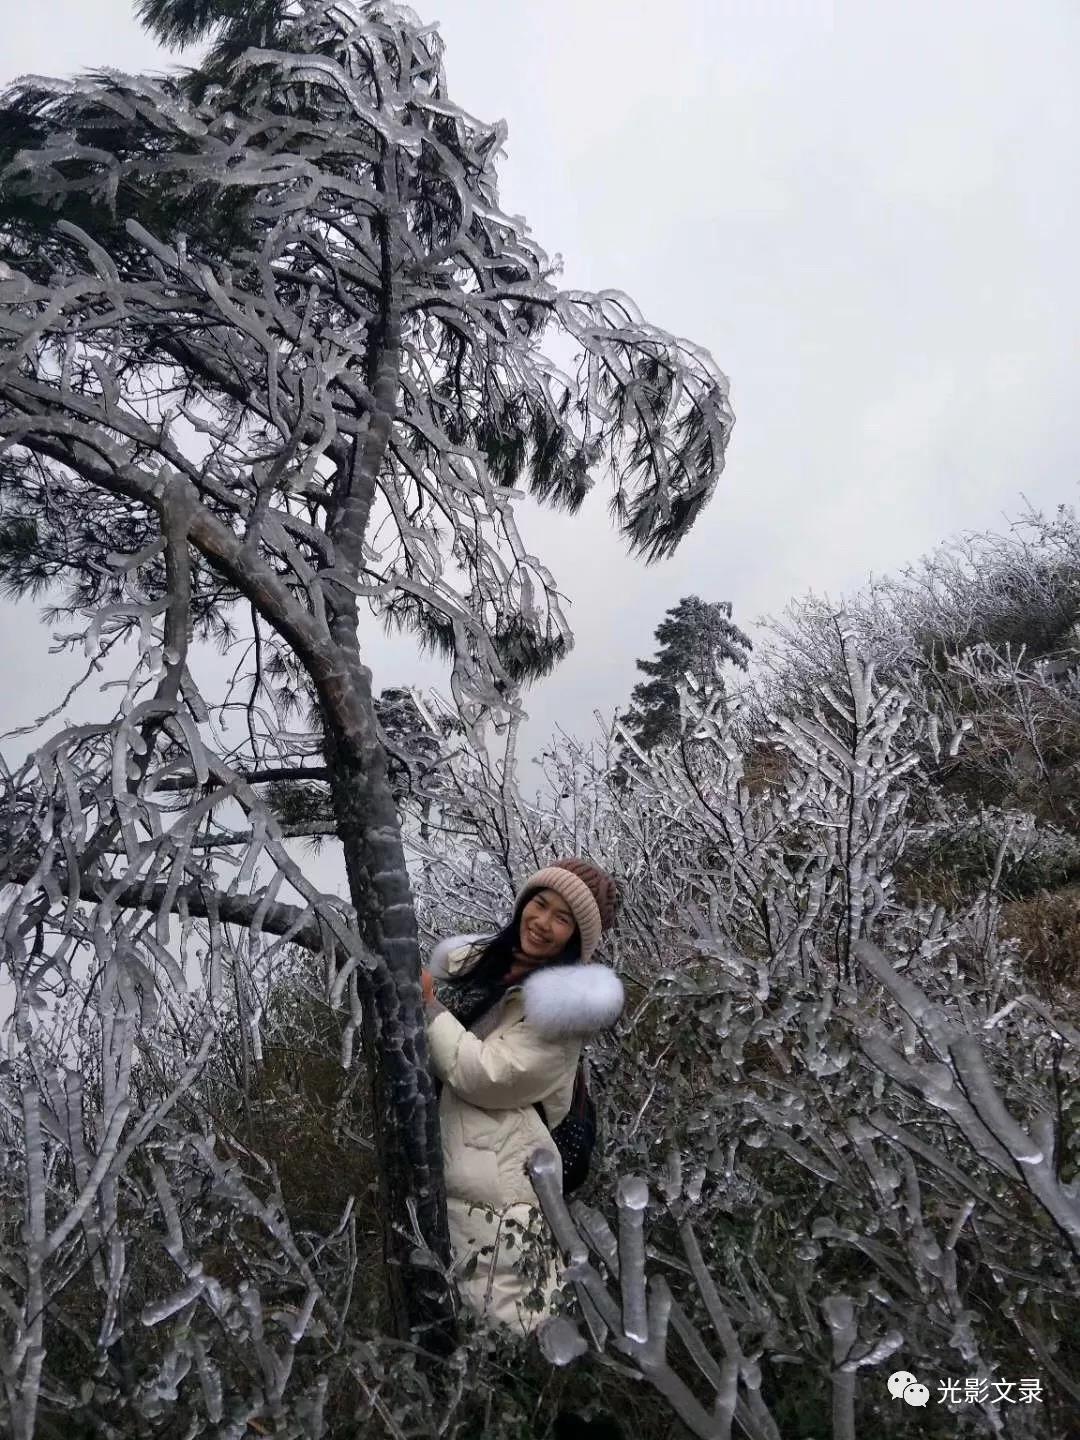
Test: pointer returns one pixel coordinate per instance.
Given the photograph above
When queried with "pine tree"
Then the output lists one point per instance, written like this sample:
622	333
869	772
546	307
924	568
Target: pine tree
696	641
271	359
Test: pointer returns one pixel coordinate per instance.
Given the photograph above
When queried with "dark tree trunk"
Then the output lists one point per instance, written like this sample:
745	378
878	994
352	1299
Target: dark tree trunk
404	1105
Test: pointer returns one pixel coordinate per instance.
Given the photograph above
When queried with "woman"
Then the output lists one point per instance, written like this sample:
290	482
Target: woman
506	1021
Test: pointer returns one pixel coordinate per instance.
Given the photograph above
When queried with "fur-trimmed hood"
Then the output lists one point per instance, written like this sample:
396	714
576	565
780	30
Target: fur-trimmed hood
560	1001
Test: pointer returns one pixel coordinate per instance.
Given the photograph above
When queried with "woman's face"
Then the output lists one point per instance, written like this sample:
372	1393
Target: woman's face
547	923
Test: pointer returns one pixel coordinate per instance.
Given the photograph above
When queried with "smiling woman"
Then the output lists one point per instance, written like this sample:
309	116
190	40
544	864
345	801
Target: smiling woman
507	1019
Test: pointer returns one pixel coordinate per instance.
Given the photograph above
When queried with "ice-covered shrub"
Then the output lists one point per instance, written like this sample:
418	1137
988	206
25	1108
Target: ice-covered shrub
853	1125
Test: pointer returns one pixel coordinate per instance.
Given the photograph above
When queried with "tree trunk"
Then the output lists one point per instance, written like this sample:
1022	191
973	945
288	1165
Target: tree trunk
404	1106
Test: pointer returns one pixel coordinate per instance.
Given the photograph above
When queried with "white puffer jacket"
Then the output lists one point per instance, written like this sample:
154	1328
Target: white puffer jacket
529	1052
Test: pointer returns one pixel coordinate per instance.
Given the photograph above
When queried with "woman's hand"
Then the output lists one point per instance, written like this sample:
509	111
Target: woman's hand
427	985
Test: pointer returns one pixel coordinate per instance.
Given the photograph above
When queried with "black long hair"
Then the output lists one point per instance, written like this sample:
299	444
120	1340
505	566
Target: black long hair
497	955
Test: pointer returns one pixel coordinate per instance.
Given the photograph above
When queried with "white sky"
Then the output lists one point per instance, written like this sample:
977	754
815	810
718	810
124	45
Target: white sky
867	210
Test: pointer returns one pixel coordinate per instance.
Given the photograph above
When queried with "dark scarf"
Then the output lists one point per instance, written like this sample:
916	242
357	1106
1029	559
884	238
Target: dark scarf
468	999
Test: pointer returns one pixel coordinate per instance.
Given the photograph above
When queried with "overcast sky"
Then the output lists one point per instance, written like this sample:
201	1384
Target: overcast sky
867	210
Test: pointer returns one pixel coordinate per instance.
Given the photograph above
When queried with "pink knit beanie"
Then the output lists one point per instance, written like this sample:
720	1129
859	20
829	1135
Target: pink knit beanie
589	891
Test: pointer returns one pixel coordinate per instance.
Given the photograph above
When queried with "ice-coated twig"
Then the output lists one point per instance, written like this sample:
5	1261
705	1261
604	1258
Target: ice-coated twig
644	1335
973	1101
631	1198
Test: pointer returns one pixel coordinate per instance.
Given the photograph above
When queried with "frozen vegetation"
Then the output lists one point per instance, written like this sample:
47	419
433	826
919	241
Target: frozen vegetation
271	361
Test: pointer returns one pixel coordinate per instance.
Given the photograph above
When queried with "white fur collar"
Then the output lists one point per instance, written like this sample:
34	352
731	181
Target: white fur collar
573	1000
559	1002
